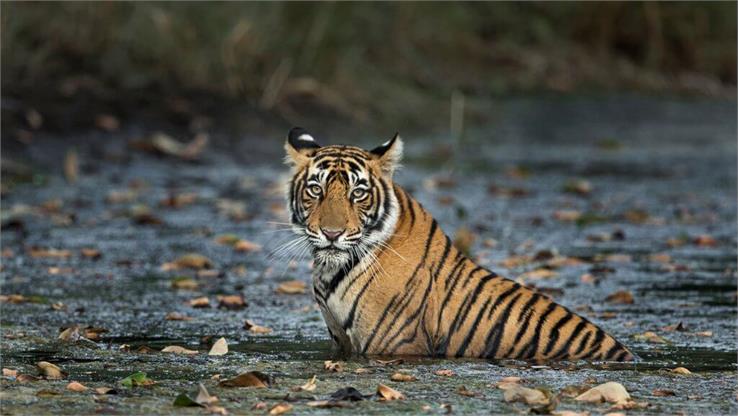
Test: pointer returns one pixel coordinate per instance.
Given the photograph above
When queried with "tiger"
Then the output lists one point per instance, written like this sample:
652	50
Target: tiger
390	282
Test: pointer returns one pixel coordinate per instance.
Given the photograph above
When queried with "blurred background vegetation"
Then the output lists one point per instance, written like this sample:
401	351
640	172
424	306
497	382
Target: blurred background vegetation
367	64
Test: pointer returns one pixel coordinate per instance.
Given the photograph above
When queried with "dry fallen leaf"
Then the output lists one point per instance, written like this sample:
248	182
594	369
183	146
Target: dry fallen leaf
91	253
176	316
75	386
256	329
622	297
184	283
93	333
189	261
219	348
386	393
38	252
201	302
402	377
538	274
203	397
681	370
445	373
245	246
249	379
70	334
309	386
291	287
49	370
7	372
663	393
24	378
231	301
651	337
462	390
176	349
105	390
567	215
514	392
610	392
333	366
515	261
280	409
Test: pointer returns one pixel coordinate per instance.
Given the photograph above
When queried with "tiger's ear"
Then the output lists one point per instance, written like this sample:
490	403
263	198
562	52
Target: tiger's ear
389	155
300	146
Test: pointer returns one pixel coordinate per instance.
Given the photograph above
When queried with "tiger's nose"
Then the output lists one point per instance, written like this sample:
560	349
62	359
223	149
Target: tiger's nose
331	235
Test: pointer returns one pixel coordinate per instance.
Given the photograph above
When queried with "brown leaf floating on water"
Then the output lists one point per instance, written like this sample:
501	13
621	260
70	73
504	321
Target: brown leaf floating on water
245	246
40	252
176	316
622	297
280	408
650	336
462	390
610	392
291	287
309	386
402	377
220	347
49	370
91	253
176	349
445	373
76	386
386	393
201	302
333	366
253	379
189	261
231	301
681	371
256	329
532	397
184	283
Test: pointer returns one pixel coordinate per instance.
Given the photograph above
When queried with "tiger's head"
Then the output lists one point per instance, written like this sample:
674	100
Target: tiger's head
341	198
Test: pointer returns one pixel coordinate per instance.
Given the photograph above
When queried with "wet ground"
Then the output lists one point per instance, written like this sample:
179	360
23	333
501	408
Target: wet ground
621	194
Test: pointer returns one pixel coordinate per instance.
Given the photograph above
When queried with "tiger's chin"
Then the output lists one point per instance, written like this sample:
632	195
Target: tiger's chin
331	257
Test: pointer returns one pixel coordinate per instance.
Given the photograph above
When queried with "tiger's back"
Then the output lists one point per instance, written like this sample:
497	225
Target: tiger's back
414	293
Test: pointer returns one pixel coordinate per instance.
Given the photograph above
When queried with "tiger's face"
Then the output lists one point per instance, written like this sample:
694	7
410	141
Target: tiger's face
341	198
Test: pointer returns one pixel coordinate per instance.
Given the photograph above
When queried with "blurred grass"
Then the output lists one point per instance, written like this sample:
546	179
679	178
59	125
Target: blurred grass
367	61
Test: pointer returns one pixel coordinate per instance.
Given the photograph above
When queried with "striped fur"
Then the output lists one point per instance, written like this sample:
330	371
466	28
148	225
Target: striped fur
394	284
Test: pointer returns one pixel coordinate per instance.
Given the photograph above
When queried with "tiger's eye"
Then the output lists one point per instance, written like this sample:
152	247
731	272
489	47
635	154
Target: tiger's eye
315	189
358	193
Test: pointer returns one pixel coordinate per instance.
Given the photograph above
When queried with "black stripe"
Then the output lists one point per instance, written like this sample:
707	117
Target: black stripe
492	343
565	348
532	347
582	344
599	337
472	331
553	336
525	313
470	301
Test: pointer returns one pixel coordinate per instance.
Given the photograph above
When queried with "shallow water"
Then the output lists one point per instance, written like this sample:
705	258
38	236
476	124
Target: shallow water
672	160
